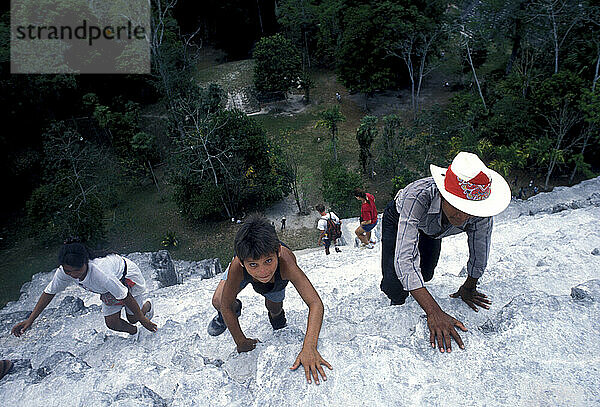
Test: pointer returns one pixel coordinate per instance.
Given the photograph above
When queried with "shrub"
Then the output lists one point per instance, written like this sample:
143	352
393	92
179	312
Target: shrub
338	186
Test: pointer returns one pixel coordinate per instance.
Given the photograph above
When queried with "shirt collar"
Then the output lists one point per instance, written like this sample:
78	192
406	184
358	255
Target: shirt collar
436	202
436	209
87	276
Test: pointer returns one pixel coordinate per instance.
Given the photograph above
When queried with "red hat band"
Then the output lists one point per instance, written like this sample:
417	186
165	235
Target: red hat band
477	188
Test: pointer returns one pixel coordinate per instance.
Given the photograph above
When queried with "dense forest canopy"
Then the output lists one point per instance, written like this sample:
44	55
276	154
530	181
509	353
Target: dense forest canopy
524	76
231	25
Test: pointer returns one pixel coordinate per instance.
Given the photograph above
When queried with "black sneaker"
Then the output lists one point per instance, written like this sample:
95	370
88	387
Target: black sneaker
337	250
217	326
278	321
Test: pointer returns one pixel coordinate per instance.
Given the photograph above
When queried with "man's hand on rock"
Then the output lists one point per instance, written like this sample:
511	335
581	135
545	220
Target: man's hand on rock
472	297
441	327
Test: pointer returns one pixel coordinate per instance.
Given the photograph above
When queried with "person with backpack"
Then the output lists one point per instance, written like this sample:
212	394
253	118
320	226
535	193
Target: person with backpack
331	228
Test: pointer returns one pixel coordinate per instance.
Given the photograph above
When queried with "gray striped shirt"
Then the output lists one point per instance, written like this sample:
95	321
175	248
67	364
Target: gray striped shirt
419	207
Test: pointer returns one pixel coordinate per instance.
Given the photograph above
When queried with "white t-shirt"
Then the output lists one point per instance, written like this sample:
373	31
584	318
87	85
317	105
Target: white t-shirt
103	276
322	225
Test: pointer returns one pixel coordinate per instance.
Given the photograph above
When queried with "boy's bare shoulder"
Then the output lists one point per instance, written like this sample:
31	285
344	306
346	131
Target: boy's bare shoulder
235	269
286	254
287	261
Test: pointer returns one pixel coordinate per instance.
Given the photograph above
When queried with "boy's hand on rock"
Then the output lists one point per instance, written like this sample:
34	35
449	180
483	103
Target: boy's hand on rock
149	325
311	360
247	345
20	328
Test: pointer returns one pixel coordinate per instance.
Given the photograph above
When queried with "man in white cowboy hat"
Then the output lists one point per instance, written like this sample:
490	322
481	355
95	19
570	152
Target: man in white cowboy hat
462	198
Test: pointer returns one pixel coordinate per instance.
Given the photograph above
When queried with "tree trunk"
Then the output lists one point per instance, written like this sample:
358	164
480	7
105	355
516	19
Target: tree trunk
426	44
515	49
583	147
555	35
333	130
421	74
412	96
297	199
153	176
409	66
596	76
262	31
307	51
475	76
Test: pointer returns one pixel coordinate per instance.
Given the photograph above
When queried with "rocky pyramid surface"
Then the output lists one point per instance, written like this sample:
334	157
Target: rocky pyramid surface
537	345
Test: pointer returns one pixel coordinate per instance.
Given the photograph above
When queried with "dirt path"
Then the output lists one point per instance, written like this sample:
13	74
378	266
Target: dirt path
288	208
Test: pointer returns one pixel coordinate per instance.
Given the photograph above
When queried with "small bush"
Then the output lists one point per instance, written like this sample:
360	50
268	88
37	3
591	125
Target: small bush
169	240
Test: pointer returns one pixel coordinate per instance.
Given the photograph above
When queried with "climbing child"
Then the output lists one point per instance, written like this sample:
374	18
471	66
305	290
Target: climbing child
263	261
118	280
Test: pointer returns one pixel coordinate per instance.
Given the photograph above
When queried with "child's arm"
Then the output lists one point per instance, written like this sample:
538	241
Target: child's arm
42	303
132	304
308	357
230	290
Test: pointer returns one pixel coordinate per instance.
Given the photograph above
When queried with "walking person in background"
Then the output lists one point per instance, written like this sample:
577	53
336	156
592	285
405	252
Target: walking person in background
283	223
368	217
118	280
331	228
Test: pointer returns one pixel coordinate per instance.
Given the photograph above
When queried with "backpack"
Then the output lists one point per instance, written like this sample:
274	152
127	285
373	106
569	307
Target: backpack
334	229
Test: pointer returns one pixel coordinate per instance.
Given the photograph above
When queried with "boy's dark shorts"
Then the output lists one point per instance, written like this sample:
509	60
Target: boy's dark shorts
276	296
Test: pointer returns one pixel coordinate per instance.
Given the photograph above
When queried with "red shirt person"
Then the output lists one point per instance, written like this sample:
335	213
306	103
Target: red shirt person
368	217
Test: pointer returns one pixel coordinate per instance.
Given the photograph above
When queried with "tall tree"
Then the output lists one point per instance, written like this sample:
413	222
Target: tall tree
173	60
278	65
413	36
361	62
365	135
75	194
560	97
329	118
224	164
556	19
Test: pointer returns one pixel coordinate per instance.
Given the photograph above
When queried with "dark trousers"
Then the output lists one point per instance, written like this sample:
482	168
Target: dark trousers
429	250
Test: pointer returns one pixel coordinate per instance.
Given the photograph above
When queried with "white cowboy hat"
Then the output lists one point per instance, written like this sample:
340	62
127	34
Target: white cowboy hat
471	187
